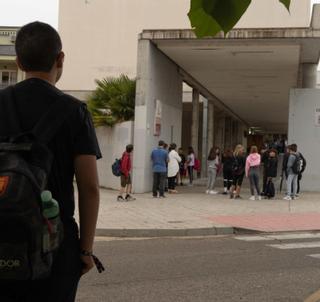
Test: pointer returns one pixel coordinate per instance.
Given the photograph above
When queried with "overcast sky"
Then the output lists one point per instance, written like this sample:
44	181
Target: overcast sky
19	12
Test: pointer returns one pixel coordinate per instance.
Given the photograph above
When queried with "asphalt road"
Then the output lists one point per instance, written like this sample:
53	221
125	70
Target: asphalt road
202	269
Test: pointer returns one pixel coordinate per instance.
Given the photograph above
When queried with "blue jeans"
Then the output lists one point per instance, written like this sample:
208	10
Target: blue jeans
292	182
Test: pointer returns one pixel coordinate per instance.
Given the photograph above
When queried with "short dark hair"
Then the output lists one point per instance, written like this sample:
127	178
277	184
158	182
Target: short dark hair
173	146
294	147
161	143
129	148
37	46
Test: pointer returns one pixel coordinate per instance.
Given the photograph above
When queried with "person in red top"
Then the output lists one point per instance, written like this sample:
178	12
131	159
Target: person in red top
125	179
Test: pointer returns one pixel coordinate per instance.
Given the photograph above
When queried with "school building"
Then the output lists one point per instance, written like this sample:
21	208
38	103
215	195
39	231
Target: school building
9	73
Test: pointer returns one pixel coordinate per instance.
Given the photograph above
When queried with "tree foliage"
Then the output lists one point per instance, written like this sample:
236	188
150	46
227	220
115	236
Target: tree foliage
209	17
113	101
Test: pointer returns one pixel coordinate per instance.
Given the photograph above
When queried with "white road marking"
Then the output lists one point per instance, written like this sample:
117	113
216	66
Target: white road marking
300	245
280	237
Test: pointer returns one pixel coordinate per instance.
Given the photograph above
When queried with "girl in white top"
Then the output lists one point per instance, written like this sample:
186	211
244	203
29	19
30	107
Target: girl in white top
173	168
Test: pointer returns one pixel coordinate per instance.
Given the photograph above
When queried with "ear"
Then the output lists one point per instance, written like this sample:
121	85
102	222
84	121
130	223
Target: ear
19	64
60	59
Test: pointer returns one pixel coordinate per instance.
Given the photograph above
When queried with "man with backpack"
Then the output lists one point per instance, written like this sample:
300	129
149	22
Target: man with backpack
125	177
46	138
293	168
302	167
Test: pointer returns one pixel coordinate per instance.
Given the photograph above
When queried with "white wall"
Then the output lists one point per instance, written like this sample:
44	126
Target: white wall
112	143
304	132
157	79
100	36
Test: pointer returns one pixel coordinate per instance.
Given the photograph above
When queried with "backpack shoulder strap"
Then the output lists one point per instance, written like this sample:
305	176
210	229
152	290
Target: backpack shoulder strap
52	120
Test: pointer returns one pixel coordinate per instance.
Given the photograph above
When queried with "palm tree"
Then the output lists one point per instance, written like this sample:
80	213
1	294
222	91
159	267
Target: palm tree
113	101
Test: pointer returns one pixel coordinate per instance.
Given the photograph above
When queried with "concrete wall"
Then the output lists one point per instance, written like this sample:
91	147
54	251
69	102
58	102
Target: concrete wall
100	36
112	142
304	132
157	79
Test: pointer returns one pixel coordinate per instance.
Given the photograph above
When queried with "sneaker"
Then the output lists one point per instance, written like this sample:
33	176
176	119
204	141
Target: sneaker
212	192
252	198
297	196
120	198
155	196
259	197
130	198
225	193
207	191
287	198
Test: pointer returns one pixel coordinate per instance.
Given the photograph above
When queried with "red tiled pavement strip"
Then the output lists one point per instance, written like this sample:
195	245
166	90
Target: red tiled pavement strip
275	222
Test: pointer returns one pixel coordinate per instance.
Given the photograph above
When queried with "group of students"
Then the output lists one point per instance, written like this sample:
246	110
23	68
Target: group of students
236	165
169	167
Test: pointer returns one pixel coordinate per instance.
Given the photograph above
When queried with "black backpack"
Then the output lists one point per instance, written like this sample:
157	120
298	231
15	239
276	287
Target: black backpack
27	238
297	164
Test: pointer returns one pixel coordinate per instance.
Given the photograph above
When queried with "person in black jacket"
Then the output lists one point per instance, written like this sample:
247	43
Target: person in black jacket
304	164
238	171
271	171
271	164
227	160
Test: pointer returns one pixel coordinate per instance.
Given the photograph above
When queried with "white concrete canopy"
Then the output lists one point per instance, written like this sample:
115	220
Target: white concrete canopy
249	73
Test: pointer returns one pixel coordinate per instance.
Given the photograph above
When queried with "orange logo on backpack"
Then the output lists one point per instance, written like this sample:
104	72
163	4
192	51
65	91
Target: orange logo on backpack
4	180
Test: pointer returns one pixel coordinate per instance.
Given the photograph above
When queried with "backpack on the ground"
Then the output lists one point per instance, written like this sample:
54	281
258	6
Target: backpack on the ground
116	167
297	164
270	189
28	237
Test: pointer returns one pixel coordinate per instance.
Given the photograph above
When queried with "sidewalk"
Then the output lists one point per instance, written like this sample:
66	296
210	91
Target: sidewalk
193	213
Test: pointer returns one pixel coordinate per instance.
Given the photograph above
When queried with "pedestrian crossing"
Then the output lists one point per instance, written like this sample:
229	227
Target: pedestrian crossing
287	241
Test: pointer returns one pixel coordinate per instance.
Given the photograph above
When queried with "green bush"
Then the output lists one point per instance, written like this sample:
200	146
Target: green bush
113	101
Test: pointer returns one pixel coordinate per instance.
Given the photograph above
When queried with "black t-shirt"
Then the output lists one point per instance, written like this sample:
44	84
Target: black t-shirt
75	137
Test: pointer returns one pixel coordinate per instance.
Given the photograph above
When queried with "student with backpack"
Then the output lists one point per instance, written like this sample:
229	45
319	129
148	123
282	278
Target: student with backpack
271	170
47	138
252	171
227	161
292	172
214	164
303	165
238	171
125	177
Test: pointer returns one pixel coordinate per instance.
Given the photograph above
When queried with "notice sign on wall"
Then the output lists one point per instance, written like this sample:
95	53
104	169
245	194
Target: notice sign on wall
157	118
317	117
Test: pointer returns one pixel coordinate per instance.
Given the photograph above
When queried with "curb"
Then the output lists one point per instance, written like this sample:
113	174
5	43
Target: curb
220	230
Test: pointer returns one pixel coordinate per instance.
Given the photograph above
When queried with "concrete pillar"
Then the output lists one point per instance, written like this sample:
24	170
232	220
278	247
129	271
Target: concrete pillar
158	110
195	121
228	132
309	75
220	132
204	152
210	126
